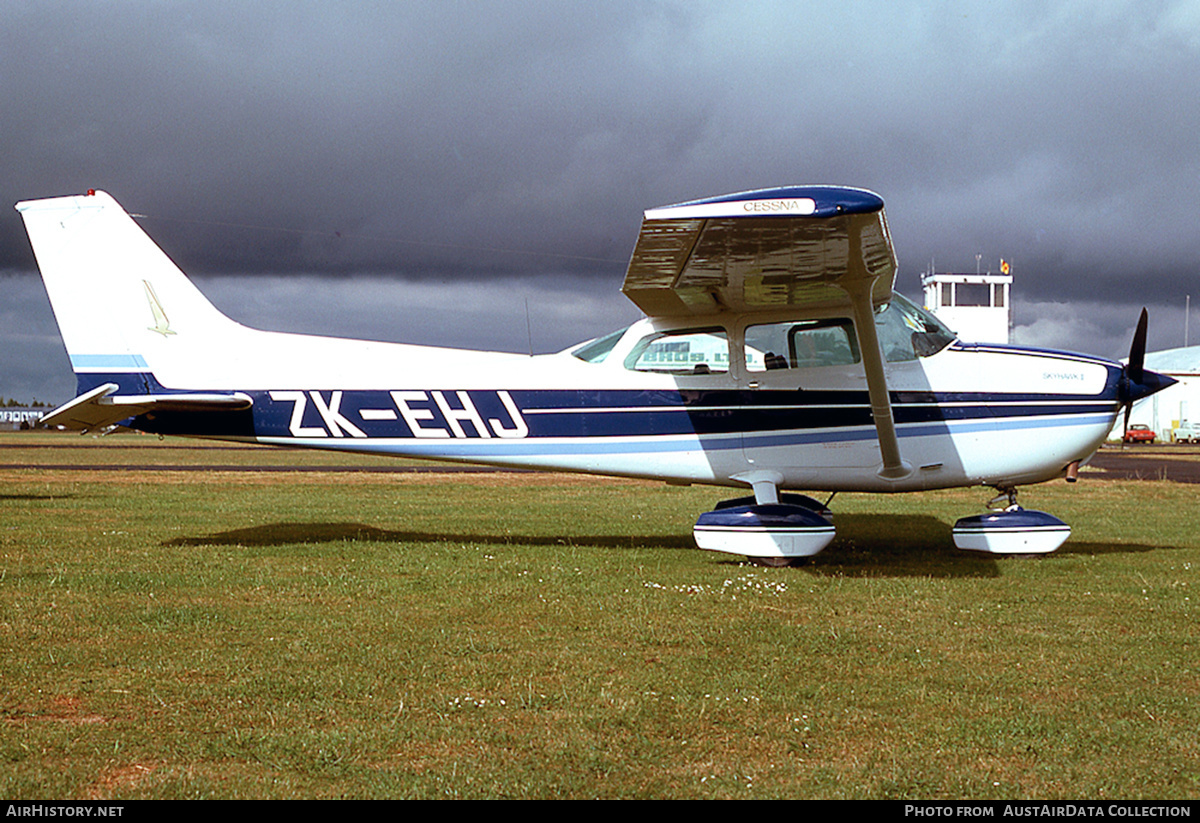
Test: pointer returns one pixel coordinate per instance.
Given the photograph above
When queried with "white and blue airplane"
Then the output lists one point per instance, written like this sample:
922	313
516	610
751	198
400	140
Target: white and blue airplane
774	357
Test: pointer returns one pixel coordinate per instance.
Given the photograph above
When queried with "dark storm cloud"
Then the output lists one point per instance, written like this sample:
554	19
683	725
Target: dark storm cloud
471	125
468	144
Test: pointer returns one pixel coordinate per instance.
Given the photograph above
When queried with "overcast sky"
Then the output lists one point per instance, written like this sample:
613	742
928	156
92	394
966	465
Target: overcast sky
424	171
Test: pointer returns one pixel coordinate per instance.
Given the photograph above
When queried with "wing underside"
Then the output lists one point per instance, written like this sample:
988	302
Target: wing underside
758	251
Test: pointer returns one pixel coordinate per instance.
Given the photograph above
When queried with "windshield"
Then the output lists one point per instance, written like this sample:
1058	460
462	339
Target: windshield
907	331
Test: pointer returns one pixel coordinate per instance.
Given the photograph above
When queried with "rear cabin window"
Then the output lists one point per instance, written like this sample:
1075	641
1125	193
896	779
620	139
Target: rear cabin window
700	351
594	351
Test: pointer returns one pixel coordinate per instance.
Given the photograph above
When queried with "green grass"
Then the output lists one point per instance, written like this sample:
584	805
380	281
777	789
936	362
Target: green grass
227	635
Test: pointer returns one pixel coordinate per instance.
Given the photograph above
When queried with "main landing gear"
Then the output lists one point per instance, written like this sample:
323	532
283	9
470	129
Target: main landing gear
1010	529
776	533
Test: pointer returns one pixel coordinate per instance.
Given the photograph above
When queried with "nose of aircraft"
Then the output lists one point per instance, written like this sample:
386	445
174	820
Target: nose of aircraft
1150	382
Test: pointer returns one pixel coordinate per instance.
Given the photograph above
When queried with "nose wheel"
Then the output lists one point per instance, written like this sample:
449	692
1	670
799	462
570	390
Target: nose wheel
1010	529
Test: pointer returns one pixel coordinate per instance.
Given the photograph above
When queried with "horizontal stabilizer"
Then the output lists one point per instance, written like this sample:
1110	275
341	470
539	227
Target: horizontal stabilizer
97	409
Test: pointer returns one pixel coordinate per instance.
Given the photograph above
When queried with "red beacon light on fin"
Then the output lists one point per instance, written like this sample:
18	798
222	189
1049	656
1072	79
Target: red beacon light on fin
91	193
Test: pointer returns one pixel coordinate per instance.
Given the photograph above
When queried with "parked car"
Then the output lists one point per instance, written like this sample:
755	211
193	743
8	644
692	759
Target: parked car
1188	432
1139	433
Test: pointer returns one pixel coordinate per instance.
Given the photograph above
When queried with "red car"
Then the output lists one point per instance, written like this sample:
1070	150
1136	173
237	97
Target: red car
1137	433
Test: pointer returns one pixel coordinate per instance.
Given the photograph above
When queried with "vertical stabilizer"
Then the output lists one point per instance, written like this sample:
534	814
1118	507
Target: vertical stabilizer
122	306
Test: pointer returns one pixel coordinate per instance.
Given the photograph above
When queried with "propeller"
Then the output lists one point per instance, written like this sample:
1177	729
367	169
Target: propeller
1135	371
1136	380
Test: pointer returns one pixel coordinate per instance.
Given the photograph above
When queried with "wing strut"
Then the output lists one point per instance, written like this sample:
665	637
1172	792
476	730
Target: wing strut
858	286
801	247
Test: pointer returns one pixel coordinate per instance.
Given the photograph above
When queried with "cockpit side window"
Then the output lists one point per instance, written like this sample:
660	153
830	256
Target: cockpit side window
905	331
800	345
694	351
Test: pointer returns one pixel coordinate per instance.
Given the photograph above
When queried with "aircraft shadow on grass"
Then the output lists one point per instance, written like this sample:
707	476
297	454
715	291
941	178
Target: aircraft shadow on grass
283	534
868	545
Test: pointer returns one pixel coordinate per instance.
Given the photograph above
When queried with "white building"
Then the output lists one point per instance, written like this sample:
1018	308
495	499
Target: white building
1163	412
15	417
977	307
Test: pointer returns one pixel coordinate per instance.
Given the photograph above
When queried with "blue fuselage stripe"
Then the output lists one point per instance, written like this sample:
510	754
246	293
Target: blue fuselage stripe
497	422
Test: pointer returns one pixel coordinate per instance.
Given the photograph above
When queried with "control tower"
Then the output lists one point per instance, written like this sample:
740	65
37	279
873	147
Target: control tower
978	307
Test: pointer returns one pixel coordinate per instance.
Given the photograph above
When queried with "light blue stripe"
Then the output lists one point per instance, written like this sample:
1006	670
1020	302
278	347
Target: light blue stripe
113	362
491	448
941	429
538	447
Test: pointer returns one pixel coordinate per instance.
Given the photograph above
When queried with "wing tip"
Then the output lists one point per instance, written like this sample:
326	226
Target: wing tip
783	201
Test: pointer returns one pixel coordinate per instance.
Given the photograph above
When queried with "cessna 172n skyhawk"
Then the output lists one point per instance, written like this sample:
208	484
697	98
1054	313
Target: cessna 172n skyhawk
774	356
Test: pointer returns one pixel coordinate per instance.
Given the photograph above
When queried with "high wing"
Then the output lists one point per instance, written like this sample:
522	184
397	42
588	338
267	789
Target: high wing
803	247
800	248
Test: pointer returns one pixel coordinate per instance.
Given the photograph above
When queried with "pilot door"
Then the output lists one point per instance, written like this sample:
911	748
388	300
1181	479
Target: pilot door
805	398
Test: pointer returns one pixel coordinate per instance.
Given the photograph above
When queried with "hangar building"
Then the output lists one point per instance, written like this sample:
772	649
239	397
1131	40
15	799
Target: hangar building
1163	412
20	417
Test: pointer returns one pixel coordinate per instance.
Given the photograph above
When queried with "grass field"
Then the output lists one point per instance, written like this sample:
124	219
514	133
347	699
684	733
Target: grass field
229	634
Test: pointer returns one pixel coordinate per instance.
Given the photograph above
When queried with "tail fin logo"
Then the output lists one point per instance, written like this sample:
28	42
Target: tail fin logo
161	324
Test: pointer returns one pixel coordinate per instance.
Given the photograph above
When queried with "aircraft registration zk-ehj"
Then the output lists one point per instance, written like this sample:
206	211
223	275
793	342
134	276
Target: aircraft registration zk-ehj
774	357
